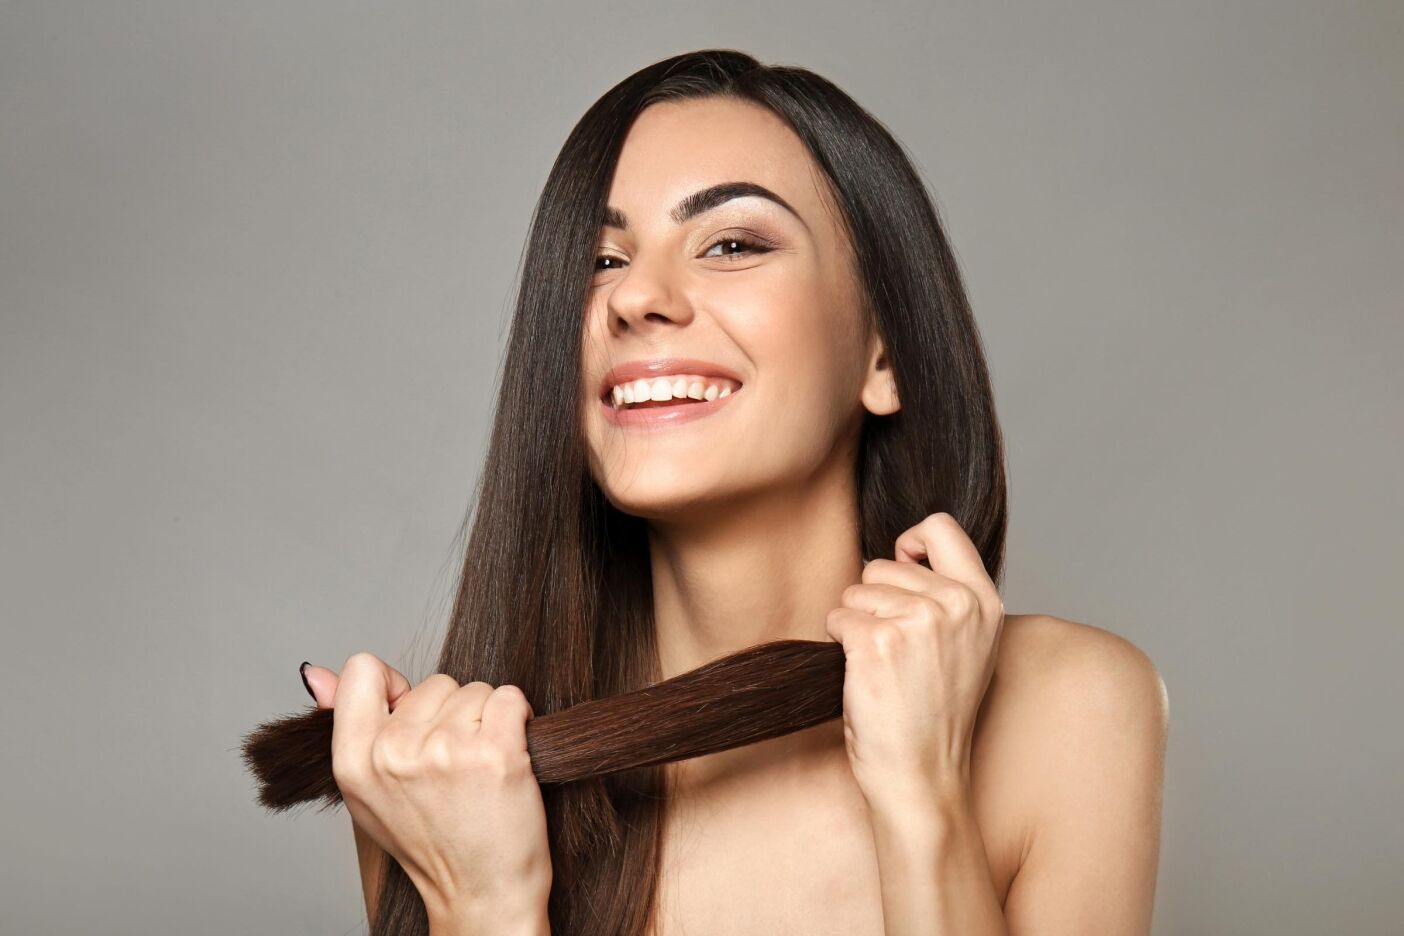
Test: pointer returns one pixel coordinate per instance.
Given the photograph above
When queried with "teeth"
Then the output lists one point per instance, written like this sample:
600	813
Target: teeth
672	387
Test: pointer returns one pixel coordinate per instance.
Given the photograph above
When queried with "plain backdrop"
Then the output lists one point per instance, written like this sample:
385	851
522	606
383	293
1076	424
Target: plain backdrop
256	264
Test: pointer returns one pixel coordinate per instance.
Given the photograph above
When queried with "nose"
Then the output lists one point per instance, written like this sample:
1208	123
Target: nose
644	299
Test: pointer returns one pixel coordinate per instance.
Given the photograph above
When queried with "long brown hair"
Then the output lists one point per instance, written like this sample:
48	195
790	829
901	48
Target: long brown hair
555	594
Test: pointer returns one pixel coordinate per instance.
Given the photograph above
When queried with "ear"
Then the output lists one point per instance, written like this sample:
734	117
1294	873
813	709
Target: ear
880	386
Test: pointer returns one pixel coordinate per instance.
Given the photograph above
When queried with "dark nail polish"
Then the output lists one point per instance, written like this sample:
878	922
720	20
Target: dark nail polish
302	671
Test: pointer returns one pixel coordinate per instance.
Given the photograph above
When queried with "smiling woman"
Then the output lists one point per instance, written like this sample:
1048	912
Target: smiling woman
740	599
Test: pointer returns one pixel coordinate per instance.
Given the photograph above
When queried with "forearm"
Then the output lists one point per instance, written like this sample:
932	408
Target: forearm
934	873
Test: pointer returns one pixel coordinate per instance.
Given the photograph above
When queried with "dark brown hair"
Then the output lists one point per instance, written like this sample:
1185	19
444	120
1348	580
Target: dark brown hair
555	594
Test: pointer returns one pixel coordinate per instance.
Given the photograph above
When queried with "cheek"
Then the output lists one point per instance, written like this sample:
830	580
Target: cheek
796	340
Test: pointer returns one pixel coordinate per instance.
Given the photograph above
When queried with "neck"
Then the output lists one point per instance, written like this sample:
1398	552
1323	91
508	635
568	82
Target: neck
767	567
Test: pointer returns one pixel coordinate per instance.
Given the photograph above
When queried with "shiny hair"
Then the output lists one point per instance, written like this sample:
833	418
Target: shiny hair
555	594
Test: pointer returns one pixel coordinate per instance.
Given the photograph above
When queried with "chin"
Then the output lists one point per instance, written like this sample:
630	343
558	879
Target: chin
664	501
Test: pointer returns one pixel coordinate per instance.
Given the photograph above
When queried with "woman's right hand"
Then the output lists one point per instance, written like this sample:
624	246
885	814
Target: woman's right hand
440	777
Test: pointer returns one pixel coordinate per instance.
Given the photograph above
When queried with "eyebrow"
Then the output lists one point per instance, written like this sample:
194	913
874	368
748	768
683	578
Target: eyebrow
704	200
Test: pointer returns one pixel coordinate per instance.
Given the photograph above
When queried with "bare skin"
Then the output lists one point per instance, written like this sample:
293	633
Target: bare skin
1066	771
1065	759
752	519
776	837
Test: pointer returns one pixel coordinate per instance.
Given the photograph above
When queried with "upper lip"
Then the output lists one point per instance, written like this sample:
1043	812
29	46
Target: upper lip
662	367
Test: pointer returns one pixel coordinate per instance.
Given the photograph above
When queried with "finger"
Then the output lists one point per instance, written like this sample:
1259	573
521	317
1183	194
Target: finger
464	707
941	541
907	575
505	714
320	683
362	706
844	625
880	599
422	704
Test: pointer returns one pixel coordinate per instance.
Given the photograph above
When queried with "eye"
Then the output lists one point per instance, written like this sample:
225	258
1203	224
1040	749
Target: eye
738	242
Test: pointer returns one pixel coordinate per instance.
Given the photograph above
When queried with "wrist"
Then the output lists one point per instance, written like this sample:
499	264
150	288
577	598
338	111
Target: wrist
921	808
452	923
508	915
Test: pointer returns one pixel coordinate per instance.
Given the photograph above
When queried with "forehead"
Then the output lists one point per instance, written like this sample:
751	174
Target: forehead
677	147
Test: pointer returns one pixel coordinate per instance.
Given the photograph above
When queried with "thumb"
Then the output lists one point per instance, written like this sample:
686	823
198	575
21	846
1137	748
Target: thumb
320	683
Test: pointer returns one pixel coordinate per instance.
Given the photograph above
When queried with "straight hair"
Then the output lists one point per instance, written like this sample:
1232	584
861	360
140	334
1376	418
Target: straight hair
555	592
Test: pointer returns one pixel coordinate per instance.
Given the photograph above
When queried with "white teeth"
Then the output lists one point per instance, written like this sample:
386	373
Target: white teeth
672	387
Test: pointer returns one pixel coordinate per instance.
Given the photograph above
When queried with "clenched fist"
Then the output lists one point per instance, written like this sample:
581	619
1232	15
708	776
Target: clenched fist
439	776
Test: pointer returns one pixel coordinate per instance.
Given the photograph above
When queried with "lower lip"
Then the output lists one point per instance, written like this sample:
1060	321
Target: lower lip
664	417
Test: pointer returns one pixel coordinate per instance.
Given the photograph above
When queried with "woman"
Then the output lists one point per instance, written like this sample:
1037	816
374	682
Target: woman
744	400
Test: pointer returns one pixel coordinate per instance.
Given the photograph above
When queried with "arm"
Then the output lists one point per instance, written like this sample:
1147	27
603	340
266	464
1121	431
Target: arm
934	873
372	862
1098	720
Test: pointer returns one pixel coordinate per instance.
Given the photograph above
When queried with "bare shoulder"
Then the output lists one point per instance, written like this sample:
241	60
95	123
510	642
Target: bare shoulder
1079	668
1078	706
1070	702
1081	718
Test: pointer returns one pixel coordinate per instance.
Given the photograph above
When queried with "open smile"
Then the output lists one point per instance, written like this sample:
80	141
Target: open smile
663	414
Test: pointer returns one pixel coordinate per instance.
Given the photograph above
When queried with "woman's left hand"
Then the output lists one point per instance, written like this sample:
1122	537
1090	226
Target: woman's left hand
919	647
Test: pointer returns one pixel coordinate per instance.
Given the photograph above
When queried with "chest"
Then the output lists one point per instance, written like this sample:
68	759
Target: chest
801	860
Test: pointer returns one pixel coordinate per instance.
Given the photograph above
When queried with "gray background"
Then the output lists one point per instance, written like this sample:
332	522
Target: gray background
255	270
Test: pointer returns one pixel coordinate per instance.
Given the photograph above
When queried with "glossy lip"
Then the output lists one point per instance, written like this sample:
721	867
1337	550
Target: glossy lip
665	417
663	367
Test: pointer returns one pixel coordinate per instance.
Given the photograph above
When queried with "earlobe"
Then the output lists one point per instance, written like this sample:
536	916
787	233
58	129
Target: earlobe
880	392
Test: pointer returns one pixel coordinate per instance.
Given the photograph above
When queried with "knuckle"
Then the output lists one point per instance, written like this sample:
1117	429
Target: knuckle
358	660
442	752
392	756
492	760
928	614
886	638
438	679
516	696
961	600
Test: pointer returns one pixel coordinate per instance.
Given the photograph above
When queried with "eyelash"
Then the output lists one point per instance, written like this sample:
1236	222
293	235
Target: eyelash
748	243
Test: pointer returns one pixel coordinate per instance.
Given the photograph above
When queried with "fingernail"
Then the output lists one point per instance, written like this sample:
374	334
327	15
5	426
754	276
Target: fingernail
302	671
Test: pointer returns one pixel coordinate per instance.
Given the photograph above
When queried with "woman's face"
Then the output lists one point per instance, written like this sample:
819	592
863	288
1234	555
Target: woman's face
763	295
